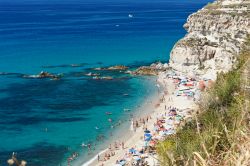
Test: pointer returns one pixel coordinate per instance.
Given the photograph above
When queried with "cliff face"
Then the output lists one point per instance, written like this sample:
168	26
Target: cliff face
214	38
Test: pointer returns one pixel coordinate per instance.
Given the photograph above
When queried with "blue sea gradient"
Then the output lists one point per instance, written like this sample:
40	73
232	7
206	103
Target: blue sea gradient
45	120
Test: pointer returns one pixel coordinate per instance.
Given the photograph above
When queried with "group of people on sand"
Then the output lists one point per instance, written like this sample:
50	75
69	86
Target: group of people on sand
141	122
111	151
166	123
108	155
117	145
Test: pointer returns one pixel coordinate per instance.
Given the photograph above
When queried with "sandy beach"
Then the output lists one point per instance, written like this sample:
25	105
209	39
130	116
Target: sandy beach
167	100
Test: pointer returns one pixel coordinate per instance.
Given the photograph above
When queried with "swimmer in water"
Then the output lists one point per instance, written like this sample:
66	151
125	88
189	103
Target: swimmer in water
83	145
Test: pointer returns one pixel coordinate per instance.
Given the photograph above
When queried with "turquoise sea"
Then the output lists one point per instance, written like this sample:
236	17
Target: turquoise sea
45	120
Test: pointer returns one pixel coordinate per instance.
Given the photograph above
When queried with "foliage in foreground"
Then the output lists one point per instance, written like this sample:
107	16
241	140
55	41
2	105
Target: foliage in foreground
219	134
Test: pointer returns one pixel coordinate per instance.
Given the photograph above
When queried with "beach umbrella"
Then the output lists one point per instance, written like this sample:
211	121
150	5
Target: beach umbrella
137	158
182	78
122	162
148	139
144	155
178	117
175	77
170	132
147	135
161	133
167	126
183	88
170	122
191	75
173	110
132	150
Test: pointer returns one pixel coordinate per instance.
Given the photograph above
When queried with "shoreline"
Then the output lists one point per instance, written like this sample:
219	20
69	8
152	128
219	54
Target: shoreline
118	133
167	91
146	105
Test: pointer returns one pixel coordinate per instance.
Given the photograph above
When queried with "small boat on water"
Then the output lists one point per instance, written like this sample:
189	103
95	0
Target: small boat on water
130	16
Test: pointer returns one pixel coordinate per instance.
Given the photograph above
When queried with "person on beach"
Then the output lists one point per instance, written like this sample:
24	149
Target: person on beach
115	144
136	124
132	125
122	145
89	146
109	146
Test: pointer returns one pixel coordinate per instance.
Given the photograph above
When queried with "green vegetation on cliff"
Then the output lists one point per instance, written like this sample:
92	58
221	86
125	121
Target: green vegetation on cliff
220	133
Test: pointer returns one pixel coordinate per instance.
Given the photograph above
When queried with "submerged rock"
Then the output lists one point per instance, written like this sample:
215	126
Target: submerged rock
117	67
43	74
92	74
103	78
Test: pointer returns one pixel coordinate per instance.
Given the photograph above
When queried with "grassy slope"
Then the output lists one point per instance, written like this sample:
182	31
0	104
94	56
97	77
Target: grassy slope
219	134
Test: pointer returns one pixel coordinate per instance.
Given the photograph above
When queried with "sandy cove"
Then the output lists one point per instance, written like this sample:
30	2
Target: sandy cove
185	106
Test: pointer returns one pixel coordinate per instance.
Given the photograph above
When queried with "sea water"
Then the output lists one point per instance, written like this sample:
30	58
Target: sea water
44	120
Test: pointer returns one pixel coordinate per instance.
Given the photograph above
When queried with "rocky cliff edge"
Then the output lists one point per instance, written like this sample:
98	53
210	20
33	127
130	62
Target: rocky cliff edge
214	39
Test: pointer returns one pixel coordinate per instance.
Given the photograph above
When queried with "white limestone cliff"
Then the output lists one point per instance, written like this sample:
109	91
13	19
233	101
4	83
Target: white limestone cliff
214	39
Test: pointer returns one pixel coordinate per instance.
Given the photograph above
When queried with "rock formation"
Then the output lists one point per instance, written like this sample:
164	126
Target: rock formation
214	39
151	70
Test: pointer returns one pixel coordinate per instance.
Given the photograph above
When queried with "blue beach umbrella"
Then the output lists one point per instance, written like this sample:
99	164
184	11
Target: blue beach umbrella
132	150
148	139
137	158
147	135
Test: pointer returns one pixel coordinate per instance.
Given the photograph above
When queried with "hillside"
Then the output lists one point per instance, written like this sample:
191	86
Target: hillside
217	45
